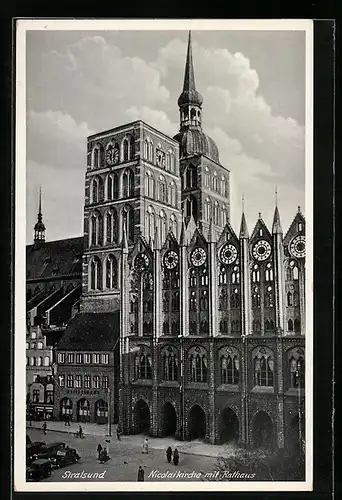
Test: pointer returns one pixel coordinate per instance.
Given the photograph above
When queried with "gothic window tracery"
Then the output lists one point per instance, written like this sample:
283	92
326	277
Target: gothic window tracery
170	364
143	366
128	184
198	365
111	272
230	367
263	362
191	177
296	367
95	274
112	226
96	228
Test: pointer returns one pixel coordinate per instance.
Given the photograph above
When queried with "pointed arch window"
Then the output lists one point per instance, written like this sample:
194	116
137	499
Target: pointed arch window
96	157
223	278
255	274
289	299
206	177
112	226
173	225
290	325
263	368
198	365
162	226
215	182
223	186
150	184
207	209
204	302
143	366
127	216
216	213
230	366
128	148
191	177
97	190
297	370
111	272
204	278
162	191
296	325
193	301
128	184
224	219
191	207
235	299
223	300
256	299
269	272
170	365
173	194
150	222
95	278
96	229
192	278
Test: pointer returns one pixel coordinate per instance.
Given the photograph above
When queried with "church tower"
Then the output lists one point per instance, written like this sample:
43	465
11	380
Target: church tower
39	228
205	182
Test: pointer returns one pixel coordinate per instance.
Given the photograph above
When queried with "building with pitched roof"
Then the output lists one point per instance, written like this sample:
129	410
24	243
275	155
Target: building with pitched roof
210	324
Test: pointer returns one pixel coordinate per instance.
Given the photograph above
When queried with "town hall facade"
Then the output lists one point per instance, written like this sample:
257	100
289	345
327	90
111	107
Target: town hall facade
211	323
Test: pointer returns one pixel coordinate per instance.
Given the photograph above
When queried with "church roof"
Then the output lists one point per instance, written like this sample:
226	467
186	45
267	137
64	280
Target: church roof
54	258
91	332
194	141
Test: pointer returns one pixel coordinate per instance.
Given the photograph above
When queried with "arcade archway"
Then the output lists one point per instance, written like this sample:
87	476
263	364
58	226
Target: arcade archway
142	417
169	417
263	432
229	426
197	425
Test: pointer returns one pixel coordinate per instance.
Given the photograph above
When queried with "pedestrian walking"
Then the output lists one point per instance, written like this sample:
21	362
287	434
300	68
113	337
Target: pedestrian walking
176	457
169	454
99	449
141	474
80	431
118	433
145	446
44	427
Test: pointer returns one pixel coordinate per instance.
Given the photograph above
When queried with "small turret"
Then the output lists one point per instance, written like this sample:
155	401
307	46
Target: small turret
39	228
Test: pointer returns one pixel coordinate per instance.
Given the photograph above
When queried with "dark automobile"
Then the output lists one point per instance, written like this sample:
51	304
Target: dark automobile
33	449
65	457
49	450
39	469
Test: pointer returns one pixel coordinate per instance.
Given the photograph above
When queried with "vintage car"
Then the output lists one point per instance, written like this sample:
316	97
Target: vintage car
33	449
65	457
49	450
39	469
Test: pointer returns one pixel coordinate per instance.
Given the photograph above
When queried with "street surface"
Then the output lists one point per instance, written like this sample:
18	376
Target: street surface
126	456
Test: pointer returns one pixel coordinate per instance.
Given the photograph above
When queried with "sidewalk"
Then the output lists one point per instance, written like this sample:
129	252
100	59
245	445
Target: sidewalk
135	441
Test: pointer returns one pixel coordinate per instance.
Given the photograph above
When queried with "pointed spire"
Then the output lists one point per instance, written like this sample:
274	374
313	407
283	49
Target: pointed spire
276	227
182	238
243	228
212	233
189	75
39	228
189	94
124	242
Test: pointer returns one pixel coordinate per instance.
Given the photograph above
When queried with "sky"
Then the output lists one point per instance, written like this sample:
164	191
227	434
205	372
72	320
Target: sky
82	82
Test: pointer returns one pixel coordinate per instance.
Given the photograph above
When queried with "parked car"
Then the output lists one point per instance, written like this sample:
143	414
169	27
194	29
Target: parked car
65	457
39	469
49	450
33	449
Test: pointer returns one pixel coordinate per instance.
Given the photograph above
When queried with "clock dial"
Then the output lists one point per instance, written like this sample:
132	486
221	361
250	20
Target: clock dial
198	257
261	250
228	254
170	260
112	156
297	246
141	262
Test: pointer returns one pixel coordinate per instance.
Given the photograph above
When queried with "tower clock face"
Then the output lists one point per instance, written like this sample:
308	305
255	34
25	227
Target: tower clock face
261	250
112	156
170	259
297	246
228	254
198	257
141	262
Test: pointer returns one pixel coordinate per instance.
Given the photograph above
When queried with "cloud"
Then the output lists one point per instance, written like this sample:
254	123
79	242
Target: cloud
158	119
62	200
92	78
91	85
55	138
